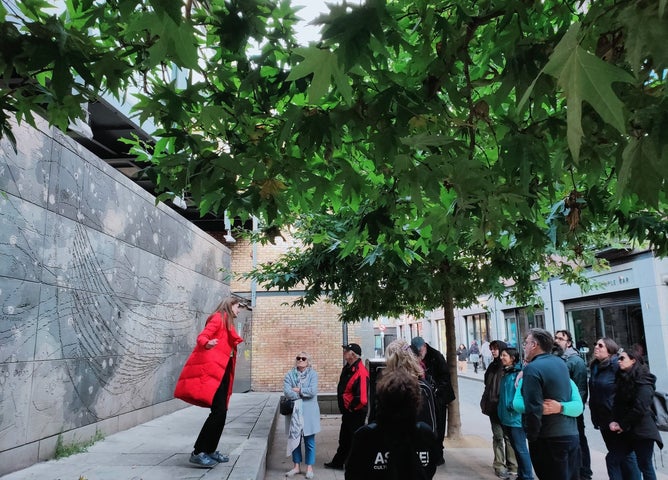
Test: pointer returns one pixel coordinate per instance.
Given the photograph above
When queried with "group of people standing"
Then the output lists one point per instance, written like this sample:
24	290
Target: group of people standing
536	412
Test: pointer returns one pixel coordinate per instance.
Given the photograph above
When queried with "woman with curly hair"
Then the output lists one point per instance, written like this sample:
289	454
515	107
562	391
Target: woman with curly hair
632	416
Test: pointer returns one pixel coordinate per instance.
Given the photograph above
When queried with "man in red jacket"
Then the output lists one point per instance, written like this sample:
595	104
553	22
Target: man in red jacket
352	394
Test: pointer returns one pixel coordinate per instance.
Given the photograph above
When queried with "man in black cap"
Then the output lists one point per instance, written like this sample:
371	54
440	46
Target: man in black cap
352	394
437	374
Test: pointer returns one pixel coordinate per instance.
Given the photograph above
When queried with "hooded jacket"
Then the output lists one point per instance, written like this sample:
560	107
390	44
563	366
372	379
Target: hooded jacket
632	405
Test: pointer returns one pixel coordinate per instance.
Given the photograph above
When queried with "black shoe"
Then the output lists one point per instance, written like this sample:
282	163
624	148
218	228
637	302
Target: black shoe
440	461
333	466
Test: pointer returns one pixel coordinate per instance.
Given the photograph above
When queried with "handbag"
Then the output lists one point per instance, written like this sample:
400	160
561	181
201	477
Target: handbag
286	405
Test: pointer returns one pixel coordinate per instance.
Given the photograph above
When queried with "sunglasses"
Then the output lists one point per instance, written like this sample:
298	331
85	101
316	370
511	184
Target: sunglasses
301	359
600	345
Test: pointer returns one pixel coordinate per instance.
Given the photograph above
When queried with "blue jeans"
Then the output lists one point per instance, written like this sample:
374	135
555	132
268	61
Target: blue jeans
518	440
620	459
309	447
556	458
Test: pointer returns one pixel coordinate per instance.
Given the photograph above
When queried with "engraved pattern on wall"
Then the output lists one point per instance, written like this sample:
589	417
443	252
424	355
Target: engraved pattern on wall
100	290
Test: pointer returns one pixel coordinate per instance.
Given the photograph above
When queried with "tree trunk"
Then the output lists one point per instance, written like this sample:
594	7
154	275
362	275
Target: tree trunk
454	428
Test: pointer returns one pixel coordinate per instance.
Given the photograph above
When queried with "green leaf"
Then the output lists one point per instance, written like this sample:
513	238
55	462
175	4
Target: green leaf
638	174
585	77
324	65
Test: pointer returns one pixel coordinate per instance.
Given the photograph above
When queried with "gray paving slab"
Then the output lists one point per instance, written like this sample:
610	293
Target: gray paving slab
160	449
254	438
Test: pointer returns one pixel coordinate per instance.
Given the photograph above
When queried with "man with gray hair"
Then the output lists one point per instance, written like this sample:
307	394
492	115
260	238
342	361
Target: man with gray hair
578	372
553	439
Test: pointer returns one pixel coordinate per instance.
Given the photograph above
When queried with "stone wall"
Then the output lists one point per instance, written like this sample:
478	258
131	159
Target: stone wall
102	295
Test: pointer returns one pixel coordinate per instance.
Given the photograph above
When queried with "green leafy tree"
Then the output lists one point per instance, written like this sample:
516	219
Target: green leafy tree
456	142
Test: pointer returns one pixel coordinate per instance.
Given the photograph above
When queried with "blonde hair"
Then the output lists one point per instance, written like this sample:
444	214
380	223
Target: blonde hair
225	307
399	356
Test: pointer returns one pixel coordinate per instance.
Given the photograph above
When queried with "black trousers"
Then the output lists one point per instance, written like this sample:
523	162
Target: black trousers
350	422
441	420
212	430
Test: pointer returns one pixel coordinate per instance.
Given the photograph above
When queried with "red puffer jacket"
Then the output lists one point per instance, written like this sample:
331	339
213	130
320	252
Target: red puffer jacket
204	369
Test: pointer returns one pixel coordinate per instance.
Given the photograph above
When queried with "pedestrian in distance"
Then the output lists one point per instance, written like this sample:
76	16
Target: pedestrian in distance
352	395
577	370
620	463
632	418
510	419
301	385
462	358
396	445
208	377
438	375
553	439
504	463
474	355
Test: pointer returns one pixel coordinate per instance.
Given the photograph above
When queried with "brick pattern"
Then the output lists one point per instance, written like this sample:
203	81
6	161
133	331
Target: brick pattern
280	331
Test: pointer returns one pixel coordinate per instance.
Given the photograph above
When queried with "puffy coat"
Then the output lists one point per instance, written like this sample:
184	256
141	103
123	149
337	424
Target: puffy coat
204	370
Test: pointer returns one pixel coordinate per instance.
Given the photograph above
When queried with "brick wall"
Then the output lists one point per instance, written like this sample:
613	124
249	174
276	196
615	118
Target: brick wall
280	331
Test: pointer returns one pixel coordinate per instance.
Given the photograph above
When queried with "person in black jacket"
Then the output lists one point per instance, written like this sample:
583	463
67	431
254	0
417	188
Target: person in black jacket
436	373
632	417
602	391
577	369
505	461
396	446
352	395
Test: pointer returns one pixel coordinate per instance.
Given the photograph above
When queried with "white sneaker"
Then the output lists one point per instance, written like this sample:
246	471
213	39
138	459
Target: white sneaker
292	472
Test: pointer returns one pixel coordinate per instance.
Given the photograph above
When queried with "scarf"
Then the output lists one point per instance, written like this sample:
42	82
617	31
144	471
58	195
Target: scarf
296	425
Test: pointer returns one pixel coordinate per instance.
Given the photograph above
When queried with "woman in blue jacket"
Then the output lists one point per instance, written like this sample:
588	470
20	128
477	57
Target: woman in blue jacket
511	420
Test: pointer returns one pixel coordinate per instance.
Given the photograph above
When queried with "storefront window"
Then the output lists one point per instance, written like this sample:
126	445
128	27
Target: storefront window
622	323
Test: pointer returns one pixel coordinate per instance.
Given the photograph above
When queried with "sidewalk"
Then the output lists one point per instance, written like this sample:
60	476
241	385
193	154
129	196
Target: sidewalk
255	439
160	449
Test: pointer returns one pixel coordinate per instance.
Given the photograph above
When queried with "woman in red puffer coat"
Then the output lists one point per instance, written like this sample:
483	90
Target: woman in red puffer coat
207	379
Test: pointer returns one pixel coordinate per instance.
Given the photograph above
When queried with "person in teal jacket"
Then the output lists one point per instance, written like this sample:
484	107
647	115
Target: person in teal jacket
511	420
511	408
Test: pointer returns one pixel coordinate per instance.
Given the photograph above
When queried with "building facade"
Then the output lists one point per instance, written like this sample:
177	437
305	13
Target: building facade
628	303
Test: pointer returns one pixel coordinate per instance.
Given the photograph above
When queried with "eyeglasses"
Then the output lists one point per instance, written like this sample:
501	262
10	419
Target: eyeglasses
301	359
527	342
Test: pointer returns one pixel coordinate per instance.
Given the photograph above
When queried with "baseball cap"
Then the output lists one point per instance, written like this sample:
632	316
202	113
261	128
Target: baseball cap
417	343
354	347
